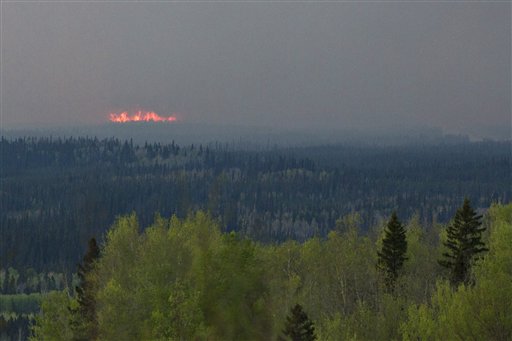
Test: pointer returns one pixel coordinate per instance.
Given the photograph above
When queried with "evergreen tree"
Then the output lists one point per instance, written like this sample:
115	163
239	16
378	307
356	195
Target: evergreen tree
83	317
392	255
463	243
298	327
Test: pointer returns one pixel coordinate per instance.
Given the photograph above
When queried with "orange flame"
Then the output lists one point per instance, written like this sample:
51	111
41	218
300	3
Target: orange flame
140	116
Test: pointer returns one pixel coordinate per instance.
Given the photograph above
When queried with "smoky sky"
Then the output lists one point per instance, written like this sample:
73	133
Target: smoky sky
395	64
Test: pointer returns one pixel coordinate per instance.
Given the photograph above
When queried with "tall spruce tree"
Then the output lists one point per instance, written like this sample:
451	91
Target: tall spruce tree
464	243
83	318
298	326
392	255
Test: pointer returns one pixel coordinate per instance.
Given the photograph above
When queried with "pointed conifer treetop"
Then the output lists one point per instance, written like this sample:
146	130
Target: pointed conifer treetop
464	243
298	326
394	247
83	318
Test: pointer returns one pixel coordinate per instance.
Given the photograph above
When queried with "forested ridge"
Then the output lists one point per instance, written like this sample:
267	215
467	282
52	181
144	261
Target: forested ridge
57	193
315	211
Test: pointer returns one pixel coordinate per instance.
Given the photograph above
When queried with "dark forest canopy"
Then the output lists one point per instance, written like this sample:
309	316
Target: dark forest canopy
59	192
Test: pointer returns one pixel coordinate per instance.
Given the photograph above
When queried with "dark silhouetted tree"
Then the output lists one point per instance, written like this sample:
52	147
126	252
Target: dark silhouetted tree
392	255
464	242
83	318
298	327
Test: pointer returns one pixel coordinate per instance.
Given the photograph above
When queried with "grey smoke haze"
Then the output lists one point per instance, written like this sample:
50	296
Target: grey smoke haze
322	65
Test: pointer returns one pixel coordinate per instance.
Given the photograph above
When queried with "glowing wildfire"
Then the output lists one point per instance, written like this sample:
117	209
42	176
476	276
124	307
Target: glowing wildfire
140	116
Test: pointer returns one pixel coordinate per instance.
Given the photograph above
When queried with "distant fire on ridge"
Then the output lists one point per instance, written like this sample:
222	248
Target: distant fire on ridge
140	116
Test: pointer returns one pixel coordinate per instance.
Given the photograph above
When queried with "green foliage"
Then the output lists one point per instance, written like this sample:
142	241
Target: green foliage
351	273
464	244
53	322
392	254
298	327
119	308
233	293
283	264
472	312
421	270
421	321
183	279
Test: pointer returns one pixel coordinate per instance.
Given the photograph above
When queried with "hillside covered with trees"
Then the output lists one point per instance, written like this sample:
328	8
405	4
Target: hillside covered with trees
260	241
58	193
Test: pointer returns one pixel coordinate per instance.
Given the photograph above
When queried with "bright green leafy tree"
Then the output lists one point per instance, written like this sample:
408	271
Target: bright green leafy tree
53	322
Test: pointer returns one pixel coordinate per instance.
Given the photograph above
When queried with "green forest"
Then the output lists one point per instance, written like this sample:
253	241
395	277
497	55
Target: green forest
110	240
184	279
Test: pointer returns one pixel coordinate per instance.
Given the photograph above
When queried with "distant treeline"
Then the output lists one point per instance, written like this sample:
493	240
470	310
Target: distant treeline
57	193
